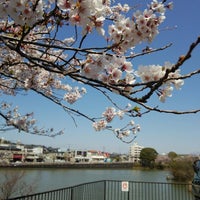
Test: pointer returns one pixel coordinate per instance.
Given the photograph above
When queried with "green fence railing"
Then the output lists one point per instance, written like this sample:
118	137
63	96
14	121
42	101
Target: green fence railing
117	190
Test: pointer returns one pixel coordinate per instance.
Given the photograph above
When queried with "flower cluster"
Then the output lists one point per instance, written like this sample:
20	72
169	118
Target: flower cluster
130	128
153	73
143	26
100	125
86	13
35	78
109	69
74	94
23	122
108	116
22	12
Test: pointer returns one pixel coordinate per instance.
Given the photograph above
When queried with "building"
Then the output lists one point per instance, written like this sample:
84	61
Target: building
134	153
90	156
96	156
33	153
17	152
10	152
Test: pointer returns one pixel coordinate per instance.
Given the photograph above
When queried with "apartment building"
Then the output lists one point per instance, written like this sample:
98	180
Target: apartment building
134	152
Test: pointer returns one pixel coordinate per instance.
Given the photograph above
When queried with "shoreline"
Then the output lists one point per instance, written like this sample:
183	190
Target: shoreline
122	165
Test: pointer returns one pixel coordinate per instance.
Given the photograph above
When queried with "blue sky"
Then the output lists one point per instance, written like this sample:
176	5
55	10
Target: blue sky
164	132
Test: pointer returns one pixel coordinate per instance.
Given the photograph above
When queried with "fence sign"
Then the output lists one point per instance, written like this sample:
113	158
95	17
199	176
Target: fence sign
125	186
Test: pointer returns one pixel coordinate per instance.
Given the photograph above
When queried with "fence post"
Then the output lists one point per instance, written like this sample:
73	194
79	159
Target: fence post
128	194
72	191
104	190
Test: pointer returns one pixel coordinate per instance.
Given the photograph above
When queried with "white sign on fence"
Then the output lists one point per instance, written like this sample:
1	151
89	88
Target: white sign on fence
125	186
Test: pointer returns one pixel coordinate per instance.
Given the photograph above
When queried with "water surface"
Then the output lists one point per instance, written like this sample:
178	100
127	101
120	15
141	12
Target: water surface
50	179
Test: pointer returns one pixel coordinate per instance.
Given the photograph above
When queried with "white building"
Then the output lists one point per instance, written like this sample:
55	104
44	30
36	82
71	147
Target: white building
96	156
85	156
134	153
33	153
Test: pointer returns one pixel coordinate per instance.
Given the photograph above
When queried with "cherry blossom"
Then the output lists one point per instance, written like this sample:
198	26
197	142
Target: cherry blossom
22	122
165	92
86	13
100	125
44	47
109	114
23	11
156	72
73	95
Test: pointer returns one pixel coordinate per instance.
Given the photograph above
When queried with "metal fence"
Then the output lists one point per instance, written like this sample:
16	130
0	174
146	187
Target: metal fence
117	190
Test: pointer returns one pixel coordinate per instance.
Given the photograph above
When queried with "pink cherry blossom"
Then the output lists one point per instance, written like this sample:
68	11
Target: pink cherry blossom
109	114
100	125
41	49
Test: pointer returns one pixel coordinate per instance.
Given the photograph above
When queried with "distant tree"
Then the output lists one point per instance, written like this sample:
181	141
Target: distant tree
118	158
148	156
172	155
14	184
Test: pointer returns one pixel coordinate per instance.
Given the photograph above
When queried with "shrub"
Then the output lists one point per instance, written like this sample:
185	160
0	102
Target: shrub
182	169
